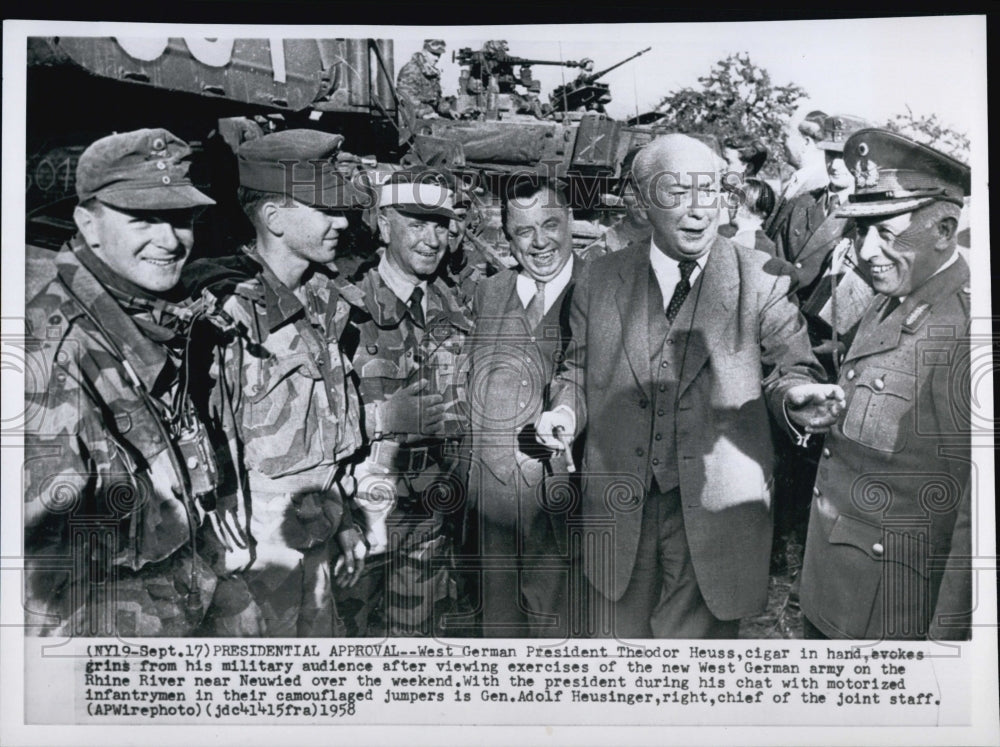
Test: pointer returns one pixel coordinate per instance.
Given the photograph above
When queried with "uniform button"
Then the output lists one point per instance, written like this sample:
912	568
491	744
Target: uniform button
161	165
850	375
798	265
658	436
165	179
158	144
877	550
826	453
524	382
663	387
664	364
521	404
532	339
656	462
661	413
55	319
879	384
639	452
815	491
643	403
192	462
670	342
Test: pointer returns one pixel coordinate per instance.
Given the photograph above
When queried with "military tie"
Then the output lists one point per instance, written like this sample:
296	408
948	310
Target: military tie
890	306
535	309
832	203
682	288
415	307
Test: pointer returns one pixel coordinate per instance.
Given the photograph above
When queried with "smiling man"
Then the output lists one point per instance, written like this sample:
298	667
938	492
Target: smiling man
889	528
518	534
681	347
410	336
110	521
284	397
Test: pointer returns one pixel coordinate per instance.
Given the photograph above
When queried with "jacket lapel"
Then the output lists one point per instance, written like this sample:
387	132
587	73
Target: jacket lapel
632	298
702	320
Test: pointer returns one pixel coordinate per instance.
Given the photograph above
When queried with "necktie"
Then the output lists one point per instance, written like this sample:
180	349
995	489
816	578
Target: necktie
414	305
890	306
832	203
536	306
682	288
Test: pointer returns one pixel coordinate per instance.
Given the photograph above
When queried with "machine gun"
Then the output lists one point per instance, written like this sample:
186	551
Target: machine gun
479	67
586	92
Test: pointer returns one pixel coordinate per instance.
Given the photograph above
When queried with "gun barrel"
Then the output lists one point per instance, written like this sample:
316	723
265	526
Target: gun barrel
524	61
594	76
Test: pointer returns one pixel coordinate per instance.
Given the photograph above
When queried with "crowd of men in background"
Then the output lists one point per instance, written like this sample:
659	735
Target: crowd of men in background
600	443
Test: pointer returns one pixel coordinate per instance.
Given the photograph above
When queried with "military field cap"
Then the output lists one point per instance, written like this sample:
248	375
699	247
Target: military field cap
893	174
300	164
419	194
139	170
434	43
836	130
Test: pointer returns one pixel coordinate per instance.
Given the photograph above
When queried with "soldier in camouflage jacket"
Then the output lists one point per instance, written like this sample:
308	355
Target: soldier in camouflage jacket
408	364
114	461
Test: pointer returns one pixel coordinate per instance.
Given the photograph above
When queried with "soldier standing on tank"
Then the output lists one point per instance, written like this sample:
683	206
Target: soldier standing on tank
407	360
119	475
419	80
284	397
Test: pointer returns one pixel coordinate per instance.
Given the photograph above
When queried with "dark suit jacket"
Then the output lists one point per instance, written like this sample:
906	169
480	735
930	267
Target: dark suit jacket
744	345
806	236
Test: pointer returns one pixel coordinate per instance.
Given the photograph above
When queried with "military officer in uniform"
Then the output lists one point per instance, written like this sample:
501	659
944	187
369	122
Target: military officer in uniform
891	504
407	360
118	472
284	398
419	80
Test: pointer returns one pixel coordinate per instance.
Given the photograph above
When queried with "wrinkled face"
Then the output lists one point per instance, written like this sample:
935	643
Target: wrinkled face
414	243
901	251
310	233
146	247
540	234
683	199
836	169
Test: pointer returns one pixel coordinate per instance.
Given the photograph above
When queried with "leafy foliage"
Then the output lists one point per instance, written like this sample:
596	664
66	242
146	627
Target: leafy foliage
737	99
930	130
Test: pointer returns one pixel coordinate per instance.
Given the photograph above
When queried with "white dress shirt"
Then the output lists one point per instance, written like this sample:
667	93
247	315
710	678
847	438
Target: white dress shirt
526	287
399	284
667	272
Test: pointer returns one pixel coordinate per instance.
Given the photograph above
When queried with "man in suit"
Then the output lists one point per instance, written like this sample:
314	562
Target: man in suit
802	153
521	333
681	347
889	525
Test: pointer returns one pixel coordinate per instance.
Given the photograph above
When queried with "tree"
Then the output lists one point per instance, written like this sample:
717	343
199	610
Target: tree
738	100
930	130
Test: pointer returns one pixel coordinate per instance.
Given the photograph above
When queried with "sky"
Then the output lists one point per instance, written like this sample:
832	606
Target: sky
873	68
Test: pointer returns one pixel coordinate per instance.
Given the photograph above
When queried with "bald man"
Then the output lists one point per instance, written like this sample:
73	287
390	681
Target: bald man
682	346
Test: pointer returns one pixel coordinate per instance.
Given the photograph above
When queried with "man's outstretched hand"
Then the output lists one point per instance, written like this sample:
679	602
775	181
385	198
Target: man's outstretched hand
815	407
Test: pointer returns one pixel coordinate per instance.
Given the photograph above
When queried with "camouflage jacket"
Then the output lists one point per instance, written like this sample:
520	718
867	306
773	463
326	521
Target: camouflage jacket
98	476
286	377
420	81
393	352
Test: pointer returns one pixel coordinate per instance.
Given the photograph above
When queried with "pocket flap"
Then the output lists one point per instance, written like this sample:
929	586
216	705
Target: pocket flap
882	543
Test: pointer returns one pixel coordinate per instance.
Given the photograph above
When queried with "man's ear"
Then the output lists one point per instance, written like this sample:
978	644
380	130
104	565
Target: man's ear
384	228
86	222
272	217
947	229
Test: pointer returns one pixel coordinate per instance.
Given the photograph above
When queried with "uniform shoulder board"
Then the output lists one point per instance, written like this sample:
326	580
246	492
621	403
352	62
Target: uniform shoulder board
965	299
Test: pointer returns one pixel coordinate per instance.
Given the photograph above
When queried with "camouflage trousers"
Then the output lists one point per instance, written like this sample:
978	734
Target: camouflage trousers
95	598
410	589
291	578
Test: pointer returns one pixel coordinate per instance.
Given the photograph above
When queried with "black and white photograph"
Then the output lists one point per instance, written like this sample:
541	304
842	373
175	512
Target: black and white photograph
571	383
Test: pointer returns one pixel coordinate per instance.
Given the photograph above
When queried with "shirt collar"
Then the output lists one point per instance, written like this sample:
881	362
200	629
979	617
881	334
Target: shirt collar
398	283
526	286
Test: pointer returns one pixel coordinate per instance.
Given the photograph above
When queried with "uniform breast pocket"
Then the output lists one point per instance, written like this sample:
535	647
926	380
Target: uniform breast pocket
880	414
270	391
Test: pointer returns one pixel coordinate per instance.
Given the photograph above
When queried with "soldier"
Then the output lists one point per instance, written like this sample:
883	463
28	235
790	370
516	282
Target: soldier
118	471
891	506
801	153
419	80
284	397
407	359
